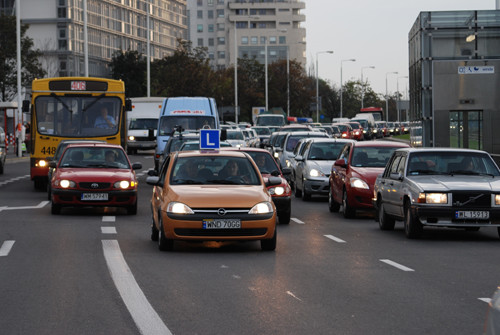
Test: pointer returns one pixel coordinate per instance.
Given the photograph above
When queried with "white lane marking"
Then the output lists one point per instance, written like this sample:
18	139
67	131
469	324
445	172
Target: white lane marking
40	205
298	221
292	295
336	239
396	265
6	246
486	300
236	277
108	230
145	317
5	182
109	218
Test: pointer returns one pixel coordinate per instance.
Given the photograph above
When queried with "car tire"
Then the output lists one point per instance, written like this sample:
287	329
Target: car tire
306	196
284	217
1	168
413	226
333	206
154	231
498	231
132	210
296	191
49	193
347	210
269	244
55	209
164	244
385	222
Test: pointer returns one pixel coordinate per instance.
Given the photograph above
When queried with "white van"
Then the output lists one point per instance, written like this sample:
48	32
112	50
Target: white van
143	123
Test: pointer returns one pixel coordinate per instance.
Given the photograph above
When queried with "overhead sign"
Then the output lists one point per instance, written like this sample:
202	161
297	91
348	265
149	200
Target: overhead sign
209	139
476	69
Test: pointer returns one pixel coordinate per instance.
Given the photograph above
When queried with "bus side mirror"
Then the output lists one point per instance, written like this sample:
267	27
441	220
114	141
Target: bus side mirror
26	106
223	134
128	105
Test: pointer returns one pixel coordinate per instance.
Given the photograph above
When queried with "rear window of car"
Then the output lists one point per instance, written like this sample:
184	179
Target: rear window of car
371	156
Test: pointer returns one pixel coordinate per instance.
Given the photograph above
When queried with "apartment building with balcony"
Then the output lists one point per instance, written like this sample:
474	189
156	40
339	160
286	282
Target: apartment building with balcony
57	29
243	28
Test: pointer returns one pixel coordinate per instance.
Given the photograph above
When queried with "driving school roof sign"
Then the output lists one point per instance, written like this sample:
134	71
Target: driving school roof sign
476	69
209	139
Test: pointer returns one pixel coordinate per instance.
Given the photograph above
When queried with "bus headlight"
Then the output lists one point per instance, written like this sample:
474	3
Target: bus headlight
42	163
131	138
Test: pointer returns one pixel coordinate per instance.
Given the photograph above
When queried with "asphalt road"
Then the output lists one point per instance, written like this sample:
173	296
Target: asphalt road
96	271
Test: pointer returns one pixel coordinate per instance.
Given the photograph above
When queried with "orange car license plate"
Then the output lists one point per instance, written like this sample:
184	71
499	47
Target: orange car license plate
221	224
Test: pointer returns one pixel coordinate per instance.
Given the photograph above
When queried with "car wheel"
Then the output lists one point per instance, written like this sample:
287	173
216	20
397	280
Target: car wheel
385	222
498	231
132	210
55	209
284	217
296	191
49	192
164	244
154	231
269	244
347	210
306	196
1	168
413	226
332	205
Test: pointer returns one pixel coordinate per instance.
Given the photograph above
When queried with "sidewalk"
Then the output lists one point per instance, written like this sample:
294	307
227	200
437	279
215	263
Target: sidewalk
12	155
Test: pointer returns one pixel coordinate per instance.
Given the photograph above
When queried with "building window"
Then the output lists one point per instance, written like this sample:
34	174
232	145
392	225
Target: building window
199	2
211	55
221	40
272	40
210	28
282	39
242	25
220	26
263	40
200	28
220	2
210	3
244	40
200	42
210	14
199	14
211	42
220	13
61	12
253	40
221	54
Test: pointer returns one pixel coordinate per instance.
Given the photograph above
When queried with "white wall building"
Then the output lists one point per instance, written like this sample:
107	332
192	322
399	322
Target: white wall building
57	29
277	23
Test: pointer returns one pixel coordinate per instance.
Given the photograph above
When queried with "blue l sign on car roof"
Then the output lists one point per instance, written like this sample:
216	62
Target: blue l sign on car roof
209	139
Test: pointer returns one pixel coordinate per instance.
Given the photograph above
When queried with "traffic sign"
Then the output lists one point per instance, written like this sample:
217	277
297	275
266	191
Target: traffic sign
209	139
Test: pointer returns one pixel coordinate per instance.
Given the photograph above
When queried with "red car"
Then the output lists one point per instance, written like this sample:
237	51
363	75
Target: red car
281	194
94	175
357	131
354	172
345	130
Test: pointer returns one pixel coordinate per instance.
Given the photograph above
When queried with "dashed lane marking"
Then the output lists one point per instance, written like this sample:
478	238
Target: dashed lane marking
486	300
8	181
336	239
40	205
109	218
6	247
108	230
298	221
145	317
396	265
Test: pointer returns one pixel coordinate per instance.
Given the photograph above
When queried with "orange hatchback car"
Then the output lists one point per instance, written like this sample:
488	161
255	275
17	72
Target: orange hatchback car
211	196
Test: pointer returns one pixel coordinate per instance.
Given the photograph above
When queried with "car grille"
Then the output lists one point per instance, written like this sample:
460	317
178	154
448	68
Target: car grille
220	232
471	200
94	186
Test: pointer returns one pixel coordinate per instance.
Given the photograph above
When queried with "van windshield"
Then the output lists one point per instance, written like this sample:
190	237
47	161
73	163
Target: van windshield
143	124
168	123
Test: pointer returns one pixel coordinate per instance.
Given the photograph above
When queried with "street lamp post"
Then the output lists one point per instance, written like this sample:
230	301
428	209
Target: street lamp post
387	96
397	89
317	82
342	61
363	84
235	75
288	81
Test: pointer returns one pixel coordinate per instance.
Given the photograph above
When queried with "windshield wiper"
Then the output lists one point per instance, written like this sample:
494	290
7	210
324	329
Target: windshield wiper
470	173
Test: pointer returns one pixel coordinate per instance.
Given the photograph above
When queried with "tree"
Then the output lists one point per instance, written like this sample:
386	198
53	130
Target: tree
130	66
31	67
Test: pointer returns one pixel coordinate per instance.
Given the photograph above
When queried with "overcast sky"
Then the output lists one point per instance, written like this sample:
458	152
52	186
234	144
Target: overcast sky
374	32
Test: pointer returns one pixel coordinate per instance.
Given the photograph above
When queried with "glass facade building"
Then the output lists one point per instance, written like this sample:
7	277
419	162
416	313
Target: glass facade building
454	66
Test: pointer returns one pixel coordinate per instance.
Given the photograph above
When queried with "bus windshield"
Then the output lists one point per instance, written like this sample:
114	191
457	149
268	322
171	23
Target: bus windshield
77	116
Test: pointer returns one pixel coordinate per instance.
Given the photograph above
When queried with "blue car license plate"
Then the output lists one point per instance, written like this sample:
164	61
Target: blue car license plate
472	215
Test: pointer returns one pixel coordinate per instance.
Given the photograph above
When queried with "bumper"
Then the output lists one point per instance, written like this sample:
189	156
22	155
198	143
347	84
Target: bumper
193	230
316	186
360	198
445	217
73	198
141	144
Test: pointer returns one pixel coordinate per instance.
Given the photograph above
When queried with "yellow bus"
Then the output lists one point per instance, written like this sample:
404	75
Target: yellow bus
73	108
